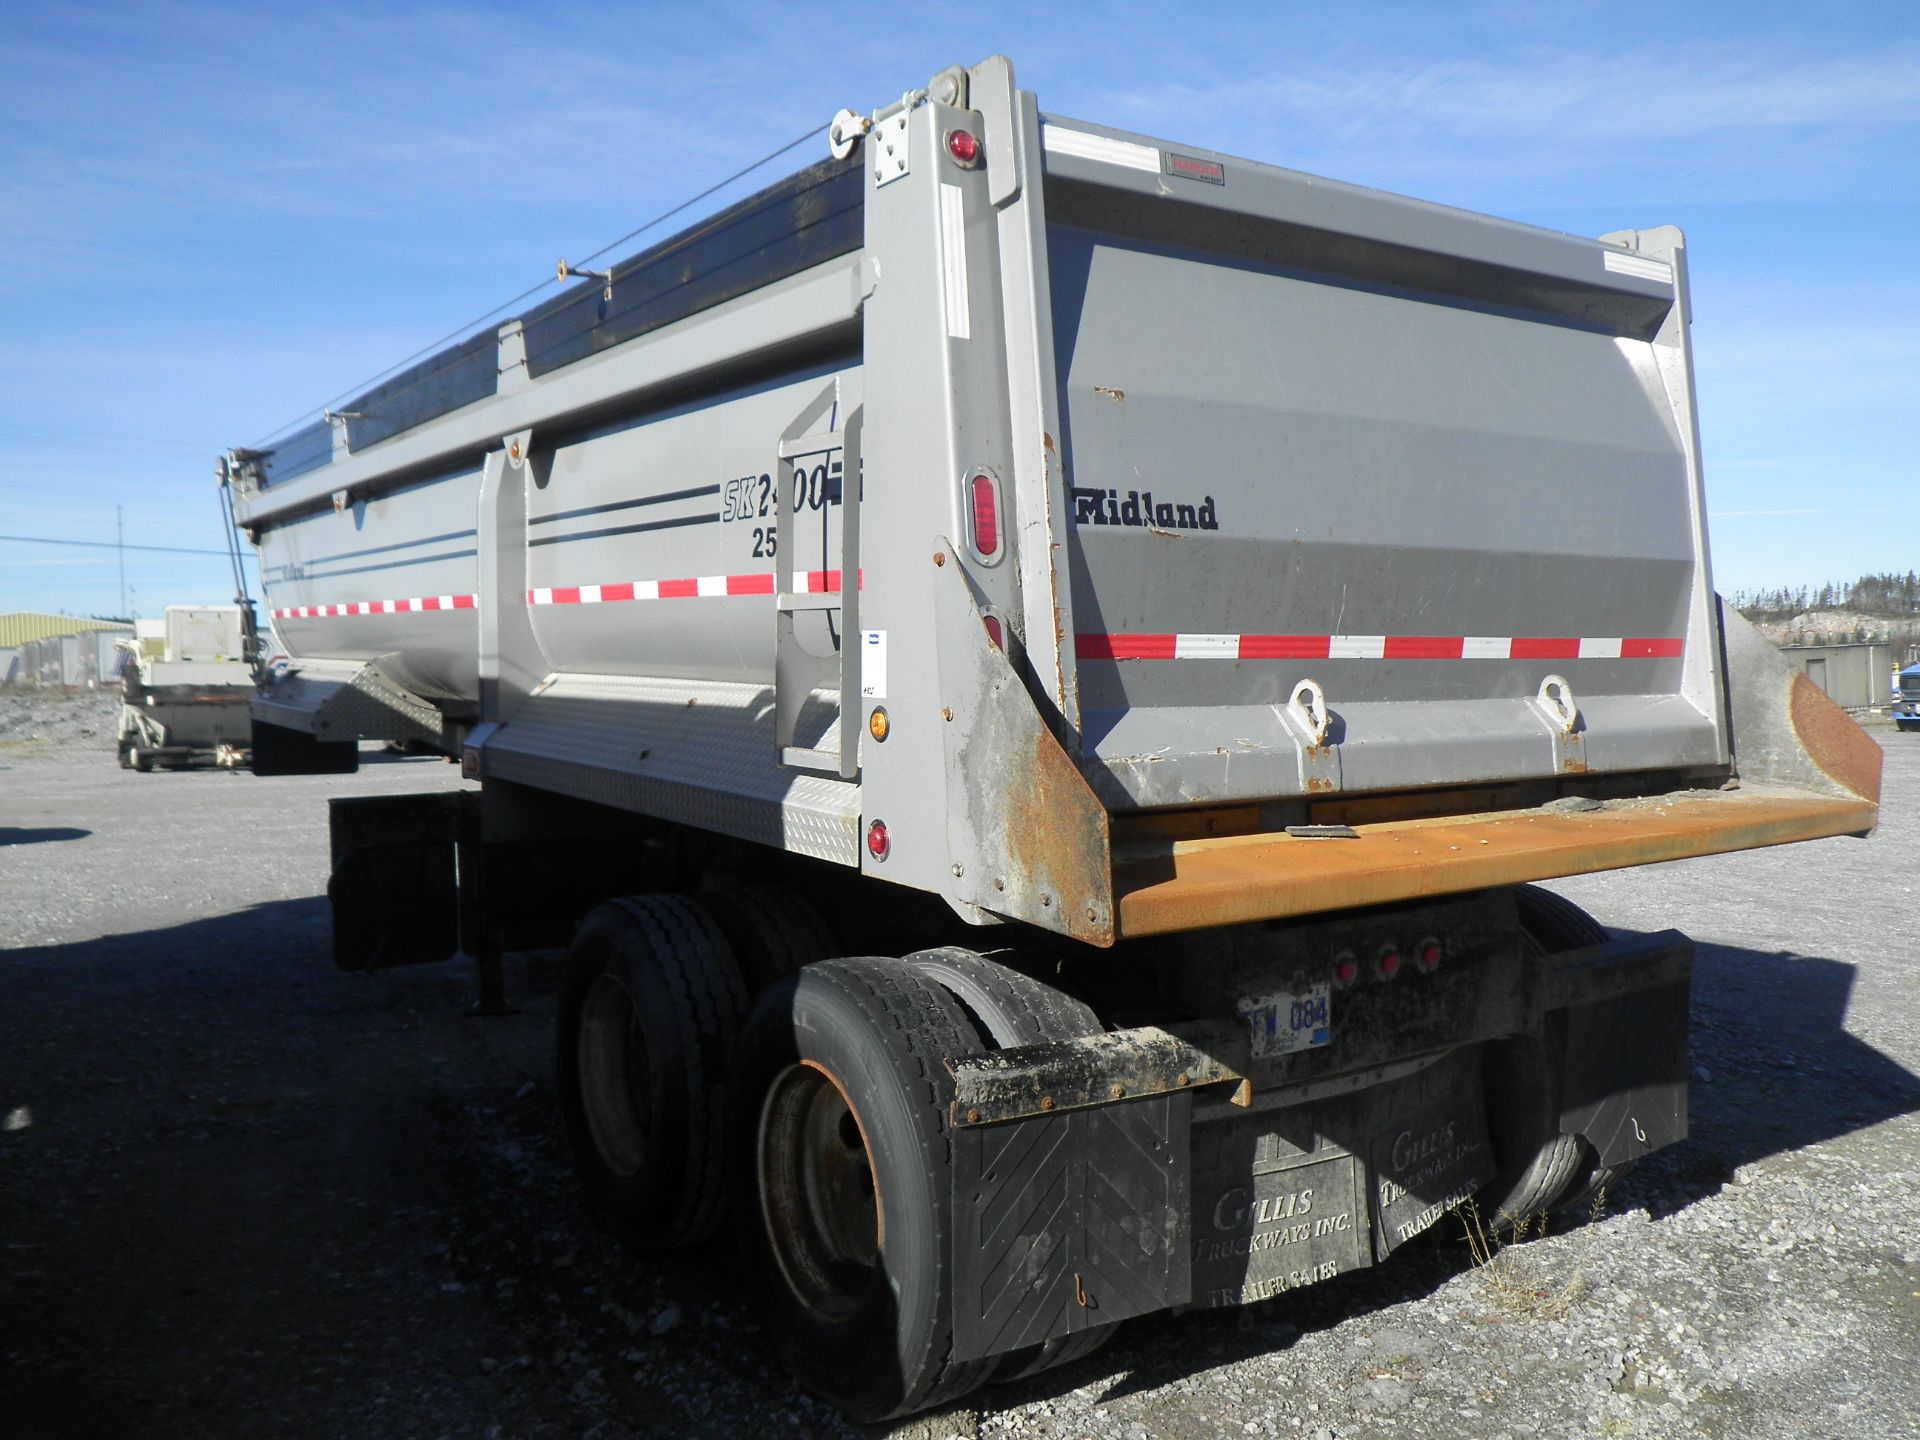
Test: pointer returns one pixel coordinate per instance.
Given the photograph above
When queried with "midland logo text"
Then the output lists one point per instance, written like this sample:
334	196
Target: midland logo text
1140	509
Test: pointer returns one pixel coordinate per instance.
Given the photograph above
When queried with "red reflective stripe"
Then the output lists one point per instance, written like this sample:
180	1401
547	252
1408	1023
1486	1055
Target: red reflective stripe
1423	647
1650	649
1285	647
679	589
1123	647
747	585
621	590
1544	647
464	602
569	595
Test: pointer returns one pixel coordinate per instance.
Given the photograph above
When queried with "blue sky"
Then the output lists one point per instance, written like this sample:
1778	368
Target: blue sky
217	217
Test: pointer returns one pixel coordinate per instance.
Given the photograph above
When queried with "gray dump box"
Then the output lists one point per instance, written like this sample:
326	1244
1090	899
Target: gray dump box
1171	603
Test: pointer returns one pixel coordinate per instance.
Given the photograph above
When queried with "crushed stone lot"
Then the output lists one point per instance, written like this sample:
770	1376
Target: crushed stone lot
245	1194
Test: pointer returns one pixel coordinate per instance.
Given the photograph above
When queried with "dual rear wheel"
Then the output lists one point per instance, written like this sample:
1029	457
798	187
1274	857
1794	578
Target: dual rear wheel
816	1115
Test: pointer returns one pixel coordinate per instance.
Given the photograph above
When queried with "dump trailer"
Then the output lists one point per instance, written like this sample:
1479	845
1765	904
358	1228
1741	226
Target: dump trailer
186	694
1034	666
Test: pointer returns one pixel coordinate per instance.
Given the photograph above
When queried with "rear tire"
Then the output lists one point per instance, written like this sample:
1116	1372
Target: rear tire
772	930
1523	1092
843	1092
650	1007
1010	1008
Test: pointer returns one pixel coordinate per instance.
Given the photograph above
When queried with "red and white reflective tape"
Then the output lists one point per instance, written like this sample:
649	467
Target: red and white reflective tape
805	582
1375	647
378	607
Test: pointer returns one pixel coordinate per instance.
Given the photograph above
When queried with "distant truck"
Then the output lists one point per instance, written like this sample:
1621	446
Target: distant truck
1035	664
186	689
1906	703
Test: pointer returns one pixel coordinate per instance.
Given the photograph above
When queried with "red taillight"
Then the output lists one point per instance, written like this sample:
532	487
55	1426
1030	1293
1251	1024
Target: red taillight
1389	963
877	842
1428	955
964	147
1346	970
993	632
986	515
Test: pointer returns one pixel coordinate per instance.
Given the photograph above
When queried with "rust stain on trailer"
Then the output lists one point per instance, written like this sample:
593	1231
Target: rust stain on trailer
1111	393
1833	741
1164	886
1057	839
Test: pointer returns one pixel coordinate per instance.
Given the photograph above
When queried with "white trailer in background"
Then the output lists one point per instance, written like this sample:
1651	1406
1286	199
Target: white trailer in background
186	689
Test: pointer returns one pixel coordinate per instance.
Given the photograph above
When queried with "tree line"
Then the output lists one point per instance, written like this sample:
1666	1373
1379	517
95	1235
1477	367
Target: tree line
1885	594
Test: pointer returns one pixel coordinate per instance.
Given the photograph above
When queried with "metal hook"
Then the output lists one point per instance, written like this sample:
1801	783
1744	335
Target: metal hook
566	272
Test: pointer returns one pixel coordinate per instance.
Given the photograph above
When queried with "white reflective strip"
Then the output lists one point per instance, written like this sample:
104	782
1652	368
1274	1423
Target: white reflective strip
1356	647
1099	147
802	583
1600	648
416	603
953	263
710	585
543	595
1641	267
446	602
646	589
589	594
1487	647
1206	647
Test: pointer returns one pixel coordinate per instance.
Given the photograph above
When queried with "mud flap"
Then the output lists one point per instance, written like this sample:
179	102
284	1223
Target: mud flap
395	883
1069	1221
1625	1087
280	751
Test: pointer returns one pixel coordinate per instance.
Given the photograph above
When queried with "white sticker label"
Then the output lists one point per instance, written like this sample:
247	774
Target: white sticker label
873	664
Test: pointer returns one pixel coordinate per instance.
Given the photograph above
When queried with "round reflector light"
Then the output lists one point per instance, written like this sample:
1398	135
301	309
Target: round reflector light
964	147
1388	963
878	843
1346	970
1428	955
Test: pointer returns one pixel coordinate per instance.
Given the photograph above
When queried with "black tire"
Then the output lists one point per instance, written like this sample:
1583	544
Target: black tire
1534	1164
650	1007
1555	921
1523	1095
126	754
1009	1008
142	760
772	930
843	1092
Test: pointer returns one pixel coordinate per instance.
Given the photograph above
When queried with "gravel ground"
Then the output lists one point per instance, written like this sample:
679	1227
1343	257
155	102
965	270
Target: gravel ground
243	1194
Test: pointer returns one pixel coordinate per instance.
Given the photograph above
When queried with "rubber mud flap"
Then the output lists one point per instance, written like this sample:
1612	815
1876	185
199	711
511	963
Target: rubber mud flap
280	751
1070	1222
1626	1086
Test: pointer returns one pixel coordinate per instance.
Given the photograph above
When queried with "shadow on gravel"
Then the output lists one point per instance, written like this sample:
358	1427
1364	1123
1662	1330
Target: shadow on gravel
14	835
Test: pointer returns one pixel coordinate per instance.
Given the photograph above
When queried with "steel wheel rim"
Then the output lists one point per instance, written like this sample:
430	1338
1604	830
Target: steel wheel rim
614	1090
818	1196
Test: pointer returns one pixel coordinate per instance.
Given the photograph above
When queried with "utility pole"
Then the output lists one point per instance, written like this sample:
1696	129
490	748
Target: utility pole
120	543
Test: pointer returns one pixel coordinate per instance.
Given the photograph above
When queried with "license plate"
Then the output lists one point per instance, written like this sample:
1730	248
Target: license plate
1282	1024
